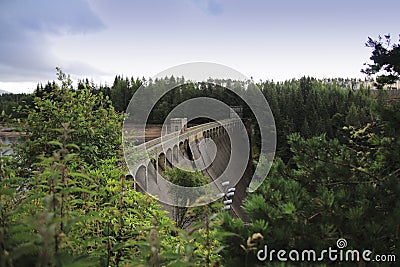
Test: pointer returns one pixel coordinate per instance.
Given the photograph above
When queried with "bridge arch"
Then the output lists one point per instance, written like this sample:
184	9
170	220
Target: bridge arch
140	176
161	166
181	147
187	149
152	171
168	160
175	157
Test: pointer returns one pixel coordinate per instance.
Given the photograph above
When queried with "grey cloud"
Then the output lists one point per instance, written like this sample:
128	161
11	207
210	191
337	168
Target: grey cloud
58	17
25	28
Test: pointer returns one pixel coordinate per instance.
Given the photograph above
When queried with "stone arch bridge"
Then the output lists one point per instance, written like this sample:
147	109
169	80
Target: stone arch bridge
152	158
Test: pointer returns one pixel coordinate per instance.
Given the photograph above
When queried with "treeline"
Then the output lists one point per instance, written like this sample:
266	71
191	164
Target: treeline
119	93
123	88
311	107
307	105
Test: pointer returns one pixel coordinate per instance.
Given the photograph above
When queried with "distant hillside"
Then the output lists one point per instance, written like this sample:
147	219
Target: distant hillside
3	92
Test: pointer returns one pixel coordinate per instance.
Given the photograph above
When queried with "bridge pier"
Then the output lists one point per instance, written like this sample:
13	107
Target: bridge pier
161	163
168	159
141	176
175	155
152	172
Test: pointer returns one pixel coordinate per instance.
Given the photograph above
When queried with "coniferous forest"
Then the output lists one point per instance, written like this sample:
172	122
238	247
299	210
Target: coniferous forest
65	199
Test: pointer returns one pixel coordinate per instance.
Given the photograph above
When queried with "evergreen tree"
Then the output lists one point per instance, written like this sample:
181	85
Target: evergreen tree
386	60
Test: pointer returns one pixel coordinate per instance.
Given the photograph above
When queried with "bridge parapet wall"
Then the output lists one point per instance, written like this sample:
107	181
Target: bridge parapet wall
141	154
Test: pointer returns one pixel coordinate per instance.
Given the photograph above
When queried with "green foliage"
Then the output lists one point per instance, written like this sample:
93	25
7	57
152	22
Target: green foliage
9	104
73	214
122	92
185	178
116	218
184	216
312	107
386	61
70	213
95	126
197	246
75	209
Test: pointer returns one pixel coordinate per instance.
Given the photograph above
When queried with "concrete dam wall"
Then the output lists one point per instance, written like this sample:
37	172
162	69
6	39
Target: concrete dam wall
218	162
207	147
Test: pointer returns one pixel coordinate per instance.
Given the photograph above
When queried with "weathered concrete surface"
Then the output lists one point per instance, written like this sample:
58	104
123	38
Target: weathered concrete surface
219	164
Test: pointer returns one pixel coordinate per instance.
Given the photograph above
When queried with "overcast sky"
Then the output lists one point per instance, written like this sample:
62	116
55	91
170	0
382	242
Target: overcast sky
264	39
